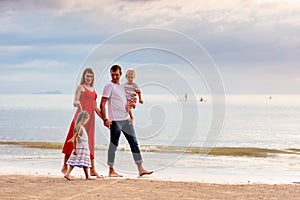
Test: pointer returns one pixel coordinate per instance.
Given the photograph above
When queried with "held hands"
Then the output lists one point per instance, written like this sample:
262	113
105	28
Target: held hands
131	120
141	101
107	123
75	152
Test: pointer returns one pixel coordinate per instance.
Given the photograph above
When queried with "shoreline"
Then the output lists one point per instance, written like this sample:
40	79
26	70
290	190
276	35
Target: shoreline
279	169
205	172
46	187
176	166
211	151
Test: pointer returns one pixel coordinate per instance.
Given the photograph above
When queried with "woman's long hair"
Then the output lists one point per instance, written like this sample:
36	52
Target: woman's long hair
90	71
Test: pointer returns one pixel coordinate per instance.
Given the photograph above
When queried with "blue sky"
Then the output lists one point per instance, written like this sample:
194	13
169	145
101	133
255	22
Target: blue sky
254	43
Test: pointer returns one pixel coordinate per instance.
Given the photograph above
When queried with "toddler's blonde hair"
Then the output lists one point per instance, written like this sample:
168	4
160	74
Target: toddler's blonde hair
130	72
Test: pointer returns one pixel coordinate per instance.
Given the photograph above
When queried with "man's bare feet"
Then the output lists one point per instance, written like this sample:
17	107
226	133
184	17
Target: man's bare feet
90	178
113	173
144	172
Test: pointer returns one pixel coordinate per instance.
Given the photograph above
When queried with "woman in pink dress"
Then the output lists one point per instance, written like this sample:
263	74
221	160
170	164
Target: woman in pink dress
85	99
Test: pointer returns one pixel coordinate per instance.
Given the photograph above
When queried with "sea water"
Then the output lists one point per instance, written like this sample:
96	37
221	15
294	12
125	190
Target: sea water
261	121
250	120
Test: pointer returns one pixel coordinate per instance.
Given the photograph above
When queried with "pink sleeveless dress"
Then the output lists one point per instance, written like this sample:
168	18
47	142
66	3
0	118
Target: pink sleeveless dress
87	100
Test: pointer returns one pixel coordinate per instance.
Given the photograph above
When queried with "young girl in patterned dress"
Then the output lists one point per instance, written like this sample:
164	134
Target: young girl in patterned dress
81	154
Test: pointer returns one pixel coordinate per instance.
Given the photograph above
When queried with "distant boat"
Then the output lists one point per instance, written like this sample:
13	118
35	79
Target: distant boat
185	98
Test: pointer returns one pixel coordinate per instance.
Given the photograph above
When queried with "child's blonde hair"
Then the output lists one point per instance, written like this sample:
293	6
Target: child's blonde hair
81	118
130	72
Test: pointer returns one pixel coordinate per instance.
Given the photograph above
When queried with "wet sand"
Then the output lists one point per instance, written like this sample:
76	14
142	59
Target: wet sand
47	187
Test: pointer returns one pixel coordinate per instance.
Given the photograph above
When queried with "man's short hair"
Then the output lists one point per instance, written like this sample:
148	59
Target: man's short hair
114	68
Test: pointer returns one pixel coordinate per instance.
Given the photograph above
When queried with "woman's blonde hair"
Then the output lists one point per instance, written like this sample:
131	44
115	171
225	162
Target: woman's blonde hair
90	71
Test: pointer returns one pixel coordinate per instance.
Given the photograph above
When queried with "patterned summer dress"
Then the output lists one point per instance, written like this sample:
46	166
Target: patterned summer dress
131	89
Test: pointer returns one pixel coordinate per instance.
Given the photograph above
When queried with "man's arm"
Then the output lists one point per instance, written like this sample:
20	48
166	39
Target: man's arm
106	122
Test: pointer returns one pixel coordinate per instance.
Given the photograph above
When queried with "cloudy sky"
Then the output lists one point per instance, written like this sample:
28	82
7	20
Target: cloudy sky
255	44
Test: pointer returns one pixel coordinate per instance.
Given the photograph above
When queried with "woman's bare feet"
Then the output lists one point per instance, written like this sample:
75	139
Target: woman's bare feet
90	178
68	177
94	173
64	169
113	173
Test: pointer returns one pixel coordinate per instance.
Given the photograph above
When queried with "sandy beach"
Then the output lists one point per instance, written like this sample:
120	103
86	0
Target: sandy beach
45	187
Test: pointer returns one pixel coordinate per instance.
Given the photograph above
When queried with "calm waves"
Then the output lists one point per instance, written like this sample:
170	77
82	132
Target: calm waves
215	151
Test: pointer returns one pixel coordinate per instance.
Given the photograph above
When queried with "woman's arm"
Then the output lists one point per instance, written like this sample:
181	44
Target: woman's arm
79	91
97	110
